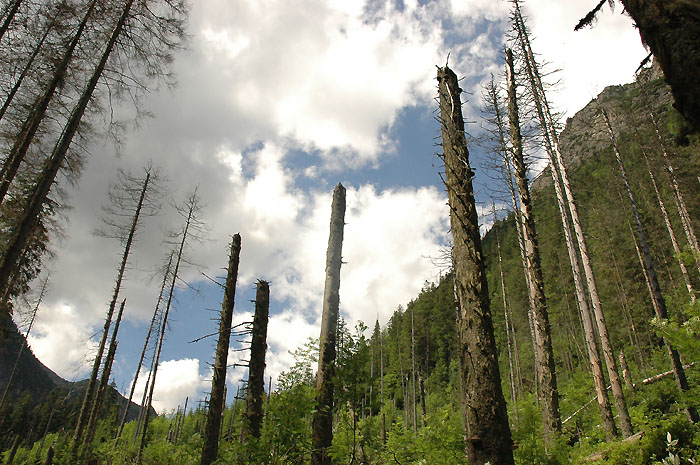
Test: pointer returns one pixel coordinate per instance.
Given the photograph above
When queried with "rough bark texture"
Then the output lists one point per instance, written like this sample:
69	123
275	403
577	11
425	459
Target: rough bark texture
490	438
256	374
650	275
544	355
670	29
323	417
210	449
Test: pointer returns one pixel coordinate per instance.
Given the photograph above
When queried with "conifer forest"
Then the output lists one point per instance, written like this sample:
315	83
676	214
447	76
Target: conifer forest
561	324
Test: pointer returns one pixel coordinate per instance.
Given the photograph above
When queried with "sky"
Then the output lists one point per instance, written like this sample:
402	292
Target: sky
276	103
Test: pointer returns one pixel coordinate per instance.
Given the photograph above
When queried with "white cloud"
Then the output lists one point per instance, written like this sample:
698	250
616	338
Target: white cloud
175	381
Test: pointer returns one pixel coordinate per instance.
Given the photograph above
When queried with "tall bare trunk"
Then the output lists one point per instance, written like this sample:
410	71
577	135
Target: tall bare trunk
669	228
88	398
511	373
191	209
9	14
650	275
544	355
122	422
256	377
381	383
102	387
414	399
323	417
490	440
210	449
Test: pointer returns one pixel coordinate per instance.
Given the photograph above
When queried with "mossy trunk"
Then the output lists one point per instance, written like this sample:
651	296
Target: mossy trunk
256	374
323	417
670	29
210	449
487	419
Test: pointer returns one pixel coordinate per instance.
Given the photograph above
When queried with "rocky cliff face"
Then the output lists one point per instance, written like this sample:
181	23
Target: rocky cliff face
585	134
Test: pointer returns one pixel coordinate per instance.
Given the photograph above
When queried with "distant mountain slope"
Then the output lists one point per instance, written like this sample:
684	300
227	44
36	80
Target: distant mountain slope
34	378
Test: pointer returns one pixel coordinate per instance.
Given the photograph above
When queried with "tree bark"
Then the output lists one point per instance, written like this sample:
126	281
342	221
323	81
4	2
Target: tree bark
256	374
669	29
490	440
323	417
544	355
650	275
210	449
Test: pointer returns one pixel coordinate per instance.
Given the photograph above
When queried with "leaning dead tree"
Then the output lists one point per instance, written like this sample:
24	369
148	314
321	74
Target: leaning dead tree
323	417
190	212
487	419
650	274
253	418
102	387
129	197
544	355
210	449
558	168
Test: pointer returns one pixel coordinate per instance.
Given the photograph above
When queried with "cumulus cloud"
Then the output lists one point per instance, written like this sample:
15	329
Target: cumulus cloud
175	381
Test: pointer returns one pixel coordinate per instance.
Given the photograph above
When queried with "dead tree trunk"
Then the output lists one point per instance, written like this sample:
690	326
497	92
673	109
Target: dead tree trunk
513	395
210	449
102	387
414	399
9	14
487	418
650	274
88	399
256	374
323	417
122	422
381	383
669	228
191	209
544	355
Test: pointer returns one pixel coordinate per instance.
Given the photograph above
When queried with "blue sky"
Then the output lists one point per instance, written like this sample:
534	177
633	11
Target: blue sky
277	102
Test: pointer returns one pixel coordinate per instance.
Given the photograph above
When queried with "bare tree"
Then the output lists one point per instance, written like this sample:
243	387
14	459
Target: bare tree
650	274
252	420
323	417
490	439
210	449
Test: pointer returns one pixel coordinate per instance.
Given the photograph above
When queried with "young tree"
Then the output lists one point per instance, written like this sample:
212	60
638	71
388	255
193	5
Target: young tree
490	439
323	417
210	449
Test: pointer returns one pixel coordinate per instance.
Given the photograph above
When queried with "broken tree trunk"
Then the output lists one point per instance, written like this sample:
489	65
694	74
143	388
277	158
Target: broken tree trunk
490	438
323	417
256	374
210	449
